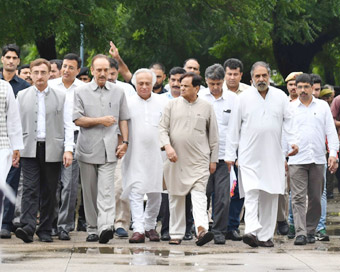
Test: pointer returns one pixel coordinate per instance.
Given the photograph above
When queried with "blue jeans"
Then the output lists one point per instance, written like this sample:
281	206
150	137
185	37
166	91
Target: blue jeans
290	211
12	180
322	222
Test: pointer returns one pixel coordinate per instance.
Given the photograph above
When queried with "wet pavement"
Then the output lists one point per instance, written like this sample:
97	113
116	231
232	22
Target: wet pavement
119	255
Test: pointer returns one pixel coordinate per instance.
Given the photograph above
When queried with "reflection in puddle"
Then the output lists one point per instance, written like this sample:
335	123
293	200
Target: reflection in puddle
133	251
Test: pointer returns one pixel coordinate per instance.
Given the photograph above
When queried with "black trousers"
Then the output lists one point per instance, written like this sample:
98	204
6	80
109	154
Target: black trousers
165	213
219	188
39	187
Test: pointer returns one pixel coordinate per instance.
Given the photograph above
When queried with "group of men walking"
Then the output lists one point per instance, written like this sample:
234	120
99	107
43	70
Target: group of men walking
182	148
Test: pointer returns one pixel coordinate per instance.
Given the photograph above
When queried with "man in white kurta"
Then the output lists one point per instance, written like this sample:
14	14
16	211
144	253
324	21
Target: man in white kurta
142	166
255	130
10	139
189	134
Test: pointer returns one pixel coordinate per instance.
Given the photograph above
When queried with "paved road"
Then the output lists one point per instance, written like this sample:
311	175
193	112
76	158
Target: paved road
119	255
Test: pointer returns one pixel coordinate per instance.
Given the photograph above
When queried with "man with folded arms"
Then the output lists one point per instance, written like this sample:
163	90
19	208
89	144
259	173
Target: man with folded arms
99	107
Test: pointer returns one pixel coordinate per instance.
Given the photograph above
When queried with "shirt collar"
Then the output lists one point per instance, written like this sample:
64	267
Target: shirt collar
313	101
223	96
15	78
93	85
44	91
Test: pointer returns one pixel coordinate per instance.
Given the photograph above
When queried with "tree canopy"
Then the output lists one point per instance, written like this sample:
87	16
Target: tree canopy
300	35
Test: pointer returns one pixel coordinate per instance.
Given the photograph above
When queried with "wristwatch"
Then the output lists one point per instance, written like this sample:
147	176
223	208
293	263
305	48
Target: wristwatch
126	142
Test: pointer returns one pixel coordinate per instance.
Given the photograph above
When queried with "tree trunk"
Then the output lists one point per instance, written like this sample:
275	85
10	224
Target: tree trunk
46	47
294	57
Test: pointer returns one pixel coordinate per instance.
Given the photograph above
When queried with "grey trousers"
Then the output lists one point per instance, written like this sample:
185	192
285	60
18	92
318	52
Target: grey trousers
306	179
68	196
97	181
219	187
67	192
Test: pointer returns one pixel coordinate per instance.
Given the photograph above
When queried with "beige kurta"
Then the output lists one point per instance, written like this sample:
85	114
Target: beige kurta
191	129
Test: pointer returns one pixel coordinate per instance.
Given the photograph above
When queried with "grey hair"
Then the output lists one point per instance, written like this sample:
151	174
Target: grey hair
259	63
143	70
215	72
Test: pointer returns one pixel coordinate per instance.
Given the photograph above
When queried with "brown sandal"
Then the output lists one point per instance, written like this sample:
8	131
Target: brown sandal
175	241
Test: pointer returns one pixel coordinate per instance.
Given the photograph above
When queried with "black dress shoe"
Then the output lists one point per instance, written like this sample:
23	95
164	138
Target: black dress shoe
64	236
105	236
300	240
233	235
165	236
219	239
45	237
81	225
23	235
310	238
187	236
282	227
250	240
92	238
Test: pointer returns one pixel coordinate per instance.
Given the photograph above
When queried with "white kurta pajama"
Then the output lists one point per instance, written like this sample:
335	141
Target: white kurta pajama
191	129
142	165
10	138
256	130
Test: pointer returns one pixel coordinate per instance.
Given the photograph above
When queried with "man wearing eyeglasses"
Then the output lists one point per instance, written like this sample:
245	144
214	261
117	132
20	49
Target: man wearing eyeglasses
48	140
315	122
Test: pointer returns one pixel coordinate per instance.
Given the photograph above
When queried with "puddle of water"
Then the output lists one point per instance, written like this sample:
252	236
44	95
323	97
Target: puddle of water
130	251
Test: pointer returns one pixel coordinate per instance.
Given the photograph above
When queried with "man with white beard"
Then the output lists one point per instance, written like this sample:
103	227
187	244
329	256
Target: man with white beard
255	129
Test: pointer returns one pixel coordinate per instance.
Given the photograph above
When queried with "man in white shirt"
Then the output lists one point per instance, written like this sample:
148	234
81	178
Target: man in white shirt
10	139
315	122
255	129
46	120
68	184
224	103
232	82
143	164
122	219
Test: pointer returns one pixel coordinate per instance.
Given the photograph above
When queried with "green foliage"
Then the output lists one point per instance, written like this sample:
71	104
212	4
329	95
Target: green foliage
147	31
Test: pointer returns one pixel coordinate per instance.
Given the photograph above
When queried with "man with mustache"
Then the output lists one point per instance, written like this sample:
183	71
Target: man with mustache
189	135
159	71
255	129
99	108
24	72
175	91
291	85
46	119
314	119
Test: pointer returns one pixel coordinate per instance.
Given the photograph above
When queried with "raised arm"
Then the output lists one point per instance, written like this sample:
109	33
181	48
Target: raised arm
123	68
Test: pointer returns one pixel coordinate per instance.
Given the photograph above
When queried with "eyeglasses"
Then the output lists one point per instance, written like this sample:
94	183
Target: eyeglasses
306	87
